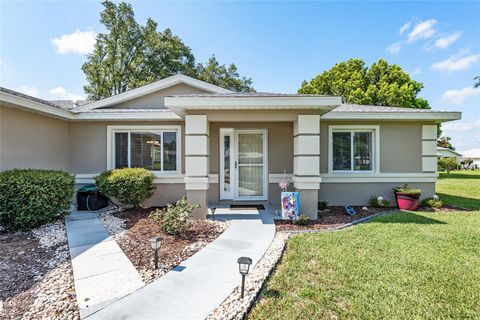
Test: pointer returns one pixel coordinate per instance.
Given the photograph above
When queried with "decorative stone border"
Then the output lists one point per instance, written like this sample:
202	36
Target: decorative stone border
236	308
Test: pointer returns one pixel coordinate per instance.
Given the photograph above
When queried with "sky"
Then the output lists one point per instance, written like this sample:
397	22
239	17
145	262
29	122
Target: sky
278	44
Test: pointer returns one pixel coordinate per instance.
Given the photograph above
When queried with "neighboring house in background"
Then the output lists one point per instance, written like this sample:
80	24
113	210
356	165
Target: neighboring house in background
447	153
214	145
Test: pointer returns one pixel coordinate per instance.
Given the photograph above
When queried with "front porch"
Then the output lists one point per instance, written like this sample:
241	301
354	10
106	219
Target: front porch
242	162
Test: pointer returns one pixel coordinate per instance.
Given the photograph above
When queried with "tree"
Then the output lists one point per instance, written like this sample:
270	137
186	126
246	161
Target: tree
380	84
477	83
444	142
223	76
129	55
447	164
466	163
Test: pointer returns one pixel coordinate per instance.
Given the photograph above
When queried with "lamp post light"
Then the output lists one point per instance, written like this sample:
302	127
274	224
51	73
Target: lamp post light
244	266
155	244
213	213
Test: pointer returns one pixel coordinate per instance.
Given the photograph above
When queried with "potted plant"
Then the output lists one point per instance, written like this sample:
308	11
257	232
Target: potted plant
407	198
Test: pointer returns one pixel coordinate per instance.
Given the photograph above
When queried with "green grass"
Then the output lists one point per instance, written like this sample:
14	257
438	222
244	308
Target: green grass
460	189
400	266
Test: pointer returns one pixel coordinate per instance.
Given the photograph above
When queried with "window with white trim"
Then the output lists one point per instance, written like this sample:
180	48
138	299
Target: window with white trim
156	150
353	150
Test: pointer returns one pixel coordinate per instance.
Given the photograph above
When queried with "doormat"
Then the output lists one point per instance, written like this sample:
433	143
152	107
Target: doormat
247	206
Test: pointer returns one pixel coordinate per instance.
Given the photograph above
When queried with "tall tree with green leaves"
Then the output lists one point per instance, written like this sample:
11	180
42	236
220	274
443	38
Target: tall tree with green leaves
129	55
226	77
380	84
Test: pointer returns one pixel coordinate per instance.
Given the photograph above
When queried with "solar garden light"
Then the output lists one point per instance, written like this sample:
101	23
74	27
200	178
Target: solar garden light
155	244
243	266
213	213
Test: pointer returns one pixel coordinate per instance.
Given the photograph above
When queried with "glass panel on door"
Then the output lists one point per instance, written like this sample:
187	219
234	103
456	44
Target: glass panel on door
250	164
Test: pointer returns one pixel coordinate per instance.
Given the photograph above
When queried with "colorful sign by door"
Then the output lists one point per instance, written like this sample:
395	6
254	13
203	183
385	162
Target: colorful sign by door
290	205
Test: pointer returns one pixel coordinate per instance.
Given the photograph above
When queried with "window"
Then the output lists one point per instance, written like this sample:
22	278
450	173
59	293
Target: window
153	149
352	150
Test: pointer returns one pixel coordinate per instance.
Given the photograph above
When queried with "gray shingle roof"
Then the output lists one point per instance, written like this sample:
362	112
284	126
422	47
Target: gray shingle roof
246	95
60	104
368	109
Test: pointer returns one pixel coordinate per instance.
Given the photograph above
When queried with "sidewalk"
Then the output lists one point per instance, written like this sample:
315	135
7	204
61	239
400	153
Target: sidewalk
202	282
102	273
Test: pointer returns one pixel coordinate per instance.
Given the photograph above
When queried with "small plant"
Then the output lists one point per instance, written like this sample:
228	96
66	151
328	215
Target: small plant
322	205
174	218
407	190
131	186
302	220
378	202
433	202
30	198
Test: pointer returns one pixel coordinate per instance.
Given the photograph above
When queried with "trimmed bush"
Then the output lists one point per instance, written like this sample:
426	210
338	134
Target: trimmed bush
130	186
30	198
174	219
447	164
432	203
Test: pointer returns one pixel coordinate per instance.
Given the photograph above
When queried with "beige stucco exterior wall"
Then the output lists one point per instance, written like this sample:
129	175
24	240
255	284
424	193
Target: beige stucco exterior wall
29	140
156	100
88	151
400	145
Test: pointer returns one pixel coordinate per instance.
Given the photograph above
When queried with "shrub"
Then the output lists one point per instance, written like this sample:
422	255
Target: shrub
30	198
174	218
131	186
432	202
447	164
378	202
322	205
405	189
302	220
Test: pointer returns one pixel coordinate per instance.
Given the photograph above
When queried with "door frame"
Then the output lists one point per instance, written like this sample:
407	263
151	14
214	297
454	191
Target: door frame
233	193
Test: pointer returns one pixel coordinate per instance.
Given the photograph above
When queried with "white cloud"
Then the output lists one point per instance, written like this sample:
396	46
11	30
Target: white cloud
457	97
405	27
62	94
461	126
422	30
456	63
394	48
445	42
80	42
415	72
29	90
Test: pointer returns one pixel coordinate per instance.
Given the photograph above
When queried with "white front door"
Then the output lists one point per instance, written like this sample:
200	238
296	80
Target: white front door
243	164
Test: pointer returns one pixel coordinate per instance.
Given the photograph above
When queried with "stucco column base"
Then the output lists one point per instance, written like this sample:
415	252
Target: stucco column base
198	197
308	202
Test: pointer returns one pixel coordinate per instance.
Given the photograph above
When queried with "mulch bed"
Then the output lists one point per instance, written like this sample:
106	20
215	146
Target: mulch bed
330	218
134	241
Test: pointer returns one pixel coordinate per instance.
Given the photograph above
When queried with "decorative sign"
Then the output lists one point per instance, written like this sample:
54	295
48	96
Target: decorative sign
290	205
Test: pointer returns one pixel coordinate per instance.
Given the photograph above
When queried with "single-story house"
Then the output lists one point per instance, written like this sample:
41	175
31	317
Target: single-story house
447	153
217	146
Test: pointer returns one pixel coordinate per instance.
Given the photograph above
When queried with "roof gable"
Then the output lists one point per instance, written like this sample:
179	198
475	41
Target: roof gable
153	87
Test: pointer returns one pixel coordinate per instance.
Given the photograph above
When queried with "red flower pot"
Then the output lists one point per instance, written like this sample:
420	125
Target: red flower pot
407	201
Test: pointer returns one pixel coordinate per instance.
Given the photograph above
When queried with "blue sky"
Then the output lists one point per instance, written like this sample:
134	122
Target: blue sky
277	44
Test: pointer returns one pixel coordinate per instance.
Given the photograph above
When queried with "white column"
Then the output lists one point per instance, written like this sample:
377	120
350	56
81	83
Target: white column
196	162
429	148
306	162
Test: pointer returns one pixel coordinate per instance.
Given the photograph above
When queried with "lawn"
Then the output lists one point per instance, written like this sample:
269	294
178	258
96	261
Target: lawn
460	188
405	265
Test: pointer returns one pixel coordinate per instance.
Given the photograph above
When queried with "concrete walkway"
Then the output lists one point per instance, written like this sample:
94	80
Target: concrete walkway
202	282
102	273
